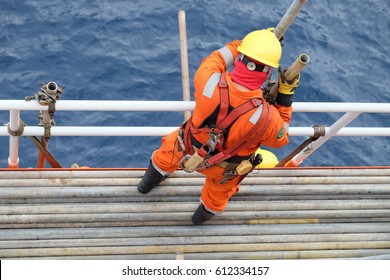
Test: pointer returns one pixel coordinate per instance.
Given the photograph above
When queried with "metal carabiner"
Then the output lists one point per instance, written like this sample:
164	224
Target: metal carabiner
183	161
228	175
181	141
213	140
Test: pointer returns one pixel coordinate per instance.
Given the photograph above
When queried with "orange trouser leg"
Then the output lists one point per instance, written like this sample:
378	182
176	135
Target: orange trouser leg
168	157
215	196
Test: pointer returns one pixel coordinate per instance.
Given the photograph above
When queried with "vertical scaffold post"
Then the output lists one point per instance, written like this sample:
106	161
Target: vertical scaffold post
184	61
14	124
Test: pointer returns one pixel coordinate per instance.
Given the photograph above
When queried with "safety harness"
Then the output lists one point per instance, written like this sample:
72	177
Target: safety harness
214	152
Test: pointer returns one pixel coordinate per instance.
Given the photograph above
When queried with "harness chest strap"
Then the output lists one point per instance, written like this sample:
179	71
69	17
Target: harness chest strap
257	130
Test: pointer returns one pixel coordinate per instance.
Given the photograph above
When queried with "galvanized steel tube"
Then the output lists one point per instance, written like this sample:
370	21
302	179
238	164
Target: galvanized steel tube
289	17
183	240
133	173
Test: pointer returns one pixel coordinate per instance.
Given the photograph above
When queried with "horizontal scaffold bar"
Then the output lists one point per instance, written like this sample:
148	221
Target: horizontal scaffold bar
207	248
316	182
155	105
154	207
124	241
177	231
267	255
138	173
161	131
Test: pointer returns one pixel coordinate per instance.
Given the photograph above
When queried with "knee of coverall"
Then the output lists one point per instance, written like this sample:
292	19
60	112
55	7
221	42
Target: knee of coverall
167	157
215	196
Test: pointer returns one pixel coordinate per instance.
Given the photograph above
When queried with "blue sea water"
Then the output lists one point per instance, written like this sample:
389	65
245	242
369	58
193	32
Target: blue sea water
130	50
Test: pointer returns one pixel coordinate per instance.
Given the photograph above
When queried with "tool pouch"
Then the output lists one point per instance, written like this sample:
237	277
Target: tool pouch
244	167
190	163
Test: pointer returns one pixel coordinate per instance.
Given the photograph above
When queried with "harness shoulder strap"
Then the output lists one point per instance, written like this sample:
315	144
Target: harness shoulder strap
240	110
224	97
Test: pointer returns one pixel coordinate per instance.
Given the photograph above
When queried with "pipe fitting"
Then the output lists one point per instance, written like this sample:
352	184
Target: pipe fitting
51	88
17	132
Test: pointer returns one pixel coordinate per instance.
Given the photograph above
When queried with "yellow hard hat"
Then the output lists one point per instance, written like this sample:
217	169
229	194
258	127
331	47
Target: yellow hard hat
262	46
269	159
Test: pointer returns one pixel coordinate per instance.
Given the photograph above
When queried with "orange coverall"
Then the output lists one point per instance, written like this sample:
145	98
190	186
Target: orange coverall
215	196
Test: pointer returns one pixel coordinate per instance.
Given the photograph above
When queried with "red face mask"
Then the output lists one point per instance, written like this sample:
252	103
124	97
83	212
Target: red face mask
252	80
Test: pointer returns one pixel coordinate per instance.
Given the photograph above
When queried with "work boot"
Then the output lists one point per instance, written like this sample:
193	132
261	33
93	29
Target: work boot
201	215
151	179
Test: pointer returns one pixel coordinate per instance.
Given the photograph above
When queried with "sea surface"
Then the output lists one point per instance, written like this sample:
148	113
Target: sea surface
130	50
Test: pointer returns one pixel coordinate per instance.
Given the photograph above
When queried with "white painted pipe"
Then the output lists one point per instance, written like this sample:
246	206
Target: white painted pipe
100	105
162	131
346	131
99	131
13	159
333	130
340	107
130	105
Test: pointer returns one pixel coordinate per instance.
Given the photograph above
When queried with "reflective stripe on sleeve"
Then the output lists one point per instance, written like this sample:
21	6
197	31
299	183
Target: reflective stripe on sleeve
255	117
227	56
287	126
211	84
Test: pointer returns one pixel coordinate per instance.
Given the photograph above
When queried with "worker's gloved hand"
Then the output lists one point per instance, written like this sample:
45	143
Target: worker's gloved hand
287	86
281	40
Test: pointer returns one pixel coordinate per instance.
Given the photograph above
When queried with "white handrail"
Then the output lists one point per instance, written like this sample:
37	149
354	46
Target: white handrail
101	105
352	110
181	106
165	130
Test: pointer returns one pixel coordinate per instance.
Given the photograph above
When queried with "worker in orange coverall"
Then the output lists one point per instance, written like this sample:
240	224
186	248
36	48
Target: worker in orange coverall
202	143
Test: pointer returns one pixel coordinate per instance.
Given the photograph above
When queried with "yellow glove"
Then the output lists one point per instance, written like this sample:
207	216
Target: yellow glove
287	86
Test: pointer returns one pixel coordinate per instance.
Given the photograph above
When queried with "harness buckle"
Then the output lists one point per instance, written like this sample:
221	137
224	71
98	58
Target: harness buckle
181	141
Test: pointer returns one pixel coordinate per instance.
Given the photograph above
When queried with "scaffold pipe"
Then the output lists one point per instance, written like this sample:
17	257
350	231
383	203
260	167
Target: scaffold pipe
14	124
